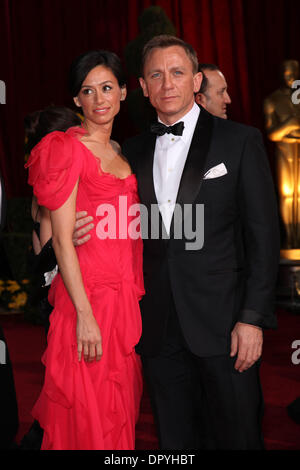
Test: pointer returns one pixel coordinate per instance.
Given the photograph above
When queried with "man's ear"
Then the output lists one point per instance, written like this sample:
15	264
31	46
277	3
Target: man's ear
198	98
144	87
76	101
201	99
123	93
198	77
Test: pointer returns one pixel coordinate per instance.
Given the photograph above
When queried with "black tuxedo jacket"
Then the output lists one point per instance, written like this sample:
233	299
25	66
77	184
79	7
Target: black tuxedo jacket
232	277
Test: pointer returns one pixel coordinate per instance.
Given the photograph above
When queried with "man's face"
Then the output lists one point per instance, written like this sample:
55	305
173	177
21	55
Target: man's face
170	83
216	98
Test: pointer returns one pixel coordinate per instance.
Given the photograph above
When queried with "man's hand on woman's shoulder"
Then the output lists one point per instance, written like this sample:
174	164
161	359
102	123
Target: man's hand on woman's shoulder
83	225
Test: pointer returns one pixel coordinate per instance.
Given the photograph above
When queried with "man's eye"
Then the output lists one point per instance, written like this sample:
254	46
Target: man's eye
155	75
178	72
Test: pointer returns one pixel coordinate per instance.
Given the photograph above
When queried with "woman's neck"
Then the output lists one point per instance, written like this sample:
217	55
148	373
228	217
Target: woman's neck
98	133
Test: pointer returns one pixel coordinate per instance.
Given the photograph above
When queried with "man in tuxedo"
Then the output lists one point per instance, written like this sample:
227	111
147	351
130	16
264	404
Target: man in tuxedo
8	401
204	309
213	94
206	304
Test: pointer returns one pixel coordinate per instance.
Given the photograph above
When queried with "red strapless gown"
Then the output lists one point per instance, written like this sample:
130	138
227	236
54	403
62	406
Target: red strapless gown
90	405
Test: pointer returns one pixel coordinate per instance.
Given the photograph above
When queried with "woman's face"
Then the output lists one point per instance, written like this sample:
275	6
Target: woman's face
100	96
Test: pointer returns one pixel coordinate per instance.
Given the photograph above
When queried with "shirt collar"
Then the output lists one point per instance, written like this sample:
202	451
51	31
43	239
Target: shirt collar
189	120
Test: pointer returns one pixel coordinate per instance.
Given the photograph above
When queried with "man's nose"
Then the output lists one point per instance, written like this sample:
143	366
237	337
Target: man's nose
167	81
227	98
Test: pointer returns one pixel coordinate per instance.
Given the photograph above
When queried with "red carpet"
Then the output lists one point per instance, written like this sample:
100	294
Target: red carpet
280	380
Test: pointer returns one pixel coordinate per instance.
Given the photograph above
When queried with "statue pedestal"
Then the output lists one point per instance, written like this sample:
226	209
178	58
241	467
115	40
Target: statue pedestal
288	284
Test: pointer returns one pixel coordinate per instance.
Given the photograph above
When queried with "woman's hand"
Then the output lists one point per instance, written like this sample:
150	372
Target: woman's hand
89	341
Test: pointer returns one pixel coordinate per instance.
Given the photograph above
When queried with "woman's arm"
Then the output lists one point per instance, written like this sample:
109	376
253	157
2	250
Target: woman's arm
88	333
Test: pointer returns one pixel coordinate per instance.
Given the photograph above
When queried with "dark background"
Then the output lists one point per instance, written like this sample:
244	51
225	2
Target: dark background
39	38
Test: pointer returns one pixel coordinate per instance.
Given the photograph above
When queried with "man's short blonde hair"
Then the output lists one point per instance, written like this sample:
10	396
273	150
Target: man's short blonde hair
162	42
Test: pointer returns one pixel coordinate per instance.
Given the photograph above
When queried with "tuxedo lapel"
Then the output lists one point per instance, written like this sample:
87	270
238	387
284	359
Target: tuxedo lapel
146	187
194	168
145	172
193	171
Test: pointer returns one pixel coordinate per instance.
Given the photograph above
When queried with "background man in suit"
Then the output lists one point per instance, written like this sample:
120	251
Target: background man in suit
213	94
204	309
8	402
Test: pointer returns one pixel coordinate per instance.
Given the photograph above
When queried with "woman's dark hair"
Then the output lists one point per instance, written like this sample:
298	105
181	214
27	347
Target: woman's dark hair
40	123
202	68
83	64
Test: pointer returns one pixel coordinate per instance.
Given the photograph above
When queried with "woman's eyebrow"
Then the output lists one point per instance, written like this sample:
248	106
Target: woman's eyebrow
101	83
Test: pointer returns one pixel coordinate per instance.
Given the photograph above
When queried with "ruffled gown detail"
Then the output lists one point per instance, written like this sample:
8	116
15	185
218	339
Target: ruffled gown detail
86	406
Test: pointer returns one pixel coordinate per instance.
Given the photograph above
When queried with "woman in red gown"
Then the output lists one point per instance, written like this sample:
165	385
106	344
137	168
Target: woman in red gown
92	389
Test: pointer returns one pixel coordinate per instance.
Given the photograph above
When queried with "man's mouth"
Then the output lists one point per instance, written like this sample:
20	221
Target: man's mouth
167	98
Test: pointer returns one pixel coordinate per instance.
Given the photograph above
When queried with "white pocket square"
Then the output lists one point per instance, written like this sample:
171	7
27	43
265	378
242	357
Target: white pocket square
216	172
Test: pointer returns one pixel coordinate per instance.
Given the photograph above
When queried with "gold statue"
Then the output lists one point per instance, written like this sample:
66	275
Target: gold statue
283	127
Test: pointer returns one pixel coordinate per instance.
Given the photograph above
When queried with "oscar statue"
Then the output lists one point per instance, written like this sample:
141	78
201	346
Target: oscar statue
282	120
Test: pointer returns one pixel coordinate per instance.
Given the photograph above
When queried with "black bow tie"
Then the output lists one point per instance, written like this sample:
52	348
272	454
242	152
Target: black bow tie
160	129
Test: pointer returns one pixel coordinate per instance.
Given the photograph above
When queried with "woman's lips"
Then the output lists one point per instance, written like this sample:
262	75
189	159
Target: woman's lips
101	110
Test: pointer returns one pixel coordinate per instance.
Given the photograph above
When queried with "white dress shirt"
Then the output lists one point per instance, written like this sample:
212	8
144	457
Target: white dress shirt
169	160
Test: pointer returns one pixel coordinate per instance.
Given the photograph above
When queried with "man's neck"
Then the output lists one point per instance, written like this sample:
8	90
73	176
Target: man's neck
170	120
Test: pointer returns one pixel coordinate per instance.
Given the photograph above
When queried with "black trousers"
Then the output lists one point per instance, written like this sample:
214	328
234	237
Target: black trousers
202	403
